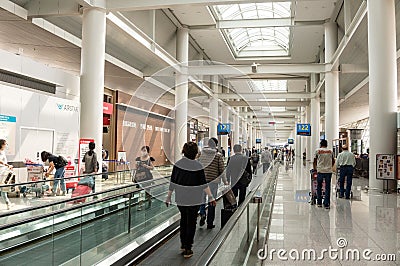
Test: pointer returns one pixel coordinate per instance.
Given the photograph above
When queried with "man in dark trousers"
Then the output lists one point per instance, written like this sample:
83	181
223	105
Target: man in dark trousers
213	164
237	167
345	162
323	162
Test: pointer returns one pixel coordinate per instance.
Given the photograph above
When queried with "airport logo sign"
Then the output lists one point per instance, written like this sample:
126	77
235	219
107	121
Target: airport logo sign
67	107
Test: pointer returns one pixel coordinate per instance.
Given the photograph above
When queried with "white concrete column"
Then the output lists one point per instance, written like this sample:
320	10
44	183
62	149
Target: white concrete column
250	141
235	129
331	86
308	139
315	117
297	142
181	93
213	119
225	119
303	138
244	133
92	76
382	82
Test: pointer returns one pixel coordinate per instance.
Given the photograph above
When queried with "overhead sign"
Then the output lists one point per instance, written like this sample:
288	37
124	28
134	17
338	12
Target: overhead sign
303	129
290	141
223	129
258	140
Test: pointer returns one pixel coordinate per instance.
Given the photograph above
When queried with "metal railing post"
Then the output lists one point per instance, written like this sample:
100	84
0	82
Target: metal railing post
129	213
248	224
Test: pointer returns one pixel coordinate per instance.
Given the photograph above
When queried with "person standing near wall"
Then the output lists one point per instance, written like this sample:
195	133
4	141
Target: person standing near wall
5	169
345	162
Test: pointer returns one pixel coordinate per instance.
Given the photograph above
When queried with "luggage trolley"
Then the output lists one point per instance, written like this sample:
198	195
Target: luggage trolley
35	173
314	184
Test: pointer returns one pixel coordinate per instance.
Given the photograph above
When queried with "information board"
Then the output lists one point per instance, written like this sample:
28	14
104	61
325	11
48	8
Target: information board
385	166
223	129
303	129
290	141
8	132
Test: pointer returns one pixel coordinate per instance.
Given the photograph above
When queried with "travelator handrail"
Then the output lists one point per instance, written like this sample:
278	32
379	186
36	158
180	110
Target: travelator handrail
210	252
65	178
46	205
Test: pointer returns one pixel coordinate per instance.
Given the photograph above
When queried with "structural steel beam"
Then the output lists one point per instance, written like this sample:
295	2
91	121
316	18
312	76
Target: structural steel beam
124	5
266	95
260	69
242	103
257	23
48	8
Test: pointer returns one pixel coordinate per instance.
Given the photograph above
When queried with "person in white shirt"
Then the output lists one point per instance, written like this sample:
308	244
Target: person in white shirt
323	162
345	162
5	169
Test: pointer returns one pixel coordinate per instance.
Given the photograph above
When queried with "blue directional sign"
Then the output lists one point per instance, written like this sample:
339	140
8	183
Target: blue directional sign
290	141
223	129
303	129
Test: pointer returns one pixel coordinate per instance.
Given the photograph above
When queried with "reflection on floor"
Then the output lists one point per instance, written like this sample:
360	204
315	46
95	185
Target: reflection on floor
370	223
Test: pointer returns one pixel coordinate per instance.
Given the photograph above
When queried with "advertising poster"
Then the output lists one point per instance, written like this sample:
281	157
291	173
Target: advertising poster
8	126
83	148
385	166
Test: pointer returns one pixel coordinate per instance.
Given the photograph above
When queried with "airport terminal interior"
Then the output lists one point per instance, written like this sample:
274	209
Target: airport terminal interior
99	97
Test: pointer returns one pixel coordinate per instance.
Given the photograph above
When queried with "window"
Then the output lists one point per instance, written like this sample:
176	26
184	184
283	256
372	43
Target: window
249	41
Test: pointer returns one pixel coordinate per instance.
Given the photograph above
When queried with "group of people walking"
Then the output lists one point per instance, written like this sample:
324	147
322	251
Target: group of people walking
197	176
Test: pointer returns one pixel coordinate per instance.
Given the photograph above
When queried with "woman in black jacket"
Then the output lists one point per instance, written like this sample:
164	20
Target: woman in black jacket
189	181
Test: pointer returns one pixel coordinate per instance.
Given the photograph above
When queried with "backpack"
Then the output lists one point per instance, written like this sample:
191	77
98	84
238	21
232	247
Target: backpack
61	162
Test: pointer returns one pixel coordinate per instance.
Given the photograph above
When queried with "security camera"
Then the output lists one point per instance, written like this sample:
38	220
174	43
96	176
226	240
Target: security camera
254	68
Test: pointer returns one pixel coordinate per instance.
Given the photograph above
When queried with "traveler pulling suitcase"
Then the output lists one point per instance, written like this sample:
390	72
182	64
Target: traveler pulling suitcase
230	205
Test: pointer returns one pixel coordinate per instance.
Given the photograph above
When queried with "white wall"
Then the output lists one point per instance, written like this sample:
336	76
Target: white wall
42	122
67	84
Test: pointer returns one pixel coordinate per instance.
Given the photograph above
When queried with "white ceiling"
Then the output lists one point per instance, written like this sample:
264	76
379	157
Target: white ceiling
306	41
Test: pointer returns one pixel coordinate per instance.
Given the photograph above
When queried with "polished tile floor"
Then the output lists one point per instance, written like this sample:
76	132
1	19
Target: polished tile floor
369	226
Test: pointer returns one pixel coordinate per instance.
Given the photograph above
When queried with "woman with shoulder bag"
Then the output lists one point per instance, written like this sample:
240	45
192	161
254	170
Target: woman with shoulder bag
143	167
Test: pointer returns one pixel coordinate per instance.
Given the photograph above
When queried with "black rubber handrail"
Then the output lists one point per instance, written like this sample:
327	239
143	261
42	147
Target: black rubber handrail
222	235
14	212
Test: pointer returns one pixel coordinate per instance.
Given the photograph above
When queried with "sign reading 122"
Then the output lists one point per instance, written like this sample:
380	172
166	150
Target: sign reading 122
304	129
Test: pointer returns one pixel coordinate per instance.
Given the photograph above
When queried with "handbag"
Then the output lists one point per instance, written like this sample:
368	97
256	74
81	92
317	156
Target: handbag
245	179
142	174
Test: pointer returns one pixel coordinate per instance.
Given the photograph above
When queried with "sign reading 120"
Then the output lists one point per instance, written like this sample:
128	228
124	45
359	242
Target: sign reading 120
304	129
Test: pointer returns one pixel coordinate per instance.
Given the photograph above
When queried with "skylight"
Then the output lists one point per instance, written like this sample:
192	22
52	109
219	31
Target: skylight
256	29
268	85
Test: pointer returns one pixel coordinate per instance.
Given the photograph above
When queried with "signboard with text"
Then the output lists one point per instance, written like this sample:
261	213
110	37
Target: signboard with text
223	129
303	129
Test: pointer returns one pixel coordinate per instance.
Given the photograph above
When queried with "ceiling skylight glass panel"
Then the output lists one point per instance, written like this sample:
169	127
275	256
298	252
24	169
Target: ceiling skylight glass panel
269	85
271	40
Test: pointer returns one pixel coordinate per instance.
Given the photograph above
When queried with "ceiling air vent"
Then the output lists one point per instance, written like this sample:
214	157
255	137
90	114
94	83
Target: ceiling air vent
25	81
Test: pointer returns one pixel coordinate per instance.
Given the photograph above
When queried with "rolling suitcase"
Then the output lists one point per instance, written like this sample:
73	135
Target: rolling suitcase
226	215
230	205
81	190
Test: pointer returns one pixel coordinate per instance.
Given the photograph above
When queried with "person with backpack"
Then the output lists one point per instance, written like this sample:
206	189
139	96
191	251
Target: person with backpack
58	163
254	161
238	173
91	164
